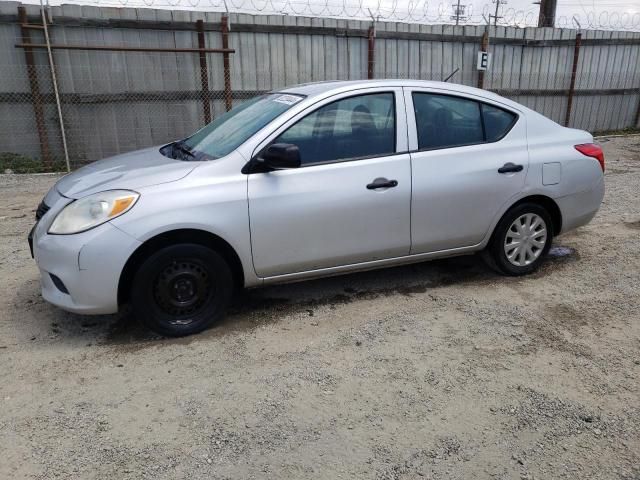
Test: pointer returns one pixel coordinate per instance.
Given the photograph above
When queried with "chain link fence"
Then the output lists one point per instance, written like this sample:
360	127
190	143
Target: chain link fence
107	108
132	84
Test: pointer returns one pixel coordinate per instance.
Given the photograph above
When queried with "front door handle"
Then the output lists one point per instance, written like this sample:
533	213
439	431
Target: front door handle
510	168
382	183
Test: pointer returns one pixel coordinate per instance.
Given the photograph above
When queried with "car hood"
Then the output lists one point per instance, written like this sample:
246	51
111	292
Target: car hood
127	171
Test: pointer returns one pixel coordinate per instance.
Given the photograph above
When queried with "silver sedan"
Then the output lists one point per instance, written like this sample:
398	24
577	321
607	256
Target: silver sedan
310	181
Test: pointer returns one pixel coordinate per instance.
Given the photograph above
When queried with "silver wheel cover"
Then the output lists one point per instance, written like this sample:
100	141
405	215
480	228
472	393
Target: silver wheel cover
525	239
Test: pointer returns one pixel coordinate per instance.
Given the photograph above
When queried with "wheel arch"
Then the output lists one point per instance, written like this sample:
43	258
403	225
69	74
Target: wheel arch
546	202
173	237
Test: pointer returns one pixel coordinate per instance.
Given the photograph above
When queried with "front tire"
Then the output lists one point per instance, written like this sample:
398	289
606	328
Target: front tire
520	240
182	289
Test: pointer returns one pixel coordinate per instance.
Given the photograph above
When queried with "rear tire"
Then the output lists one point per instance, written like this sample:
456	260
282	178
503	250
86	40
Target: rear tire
182	289
520	240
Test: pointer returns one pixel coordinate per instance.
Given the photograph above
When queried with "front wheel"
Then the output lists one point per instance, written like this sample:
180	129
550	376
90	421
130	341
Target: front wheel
181	289
520	240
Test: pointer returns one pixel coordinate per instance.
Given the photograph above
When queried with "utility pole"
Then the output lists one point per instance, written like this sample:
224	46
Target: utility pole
458	12
496	16
547	16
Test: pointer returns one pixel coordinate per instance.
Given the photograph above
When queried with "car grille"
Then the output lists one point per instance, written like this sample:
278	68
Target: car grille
41	210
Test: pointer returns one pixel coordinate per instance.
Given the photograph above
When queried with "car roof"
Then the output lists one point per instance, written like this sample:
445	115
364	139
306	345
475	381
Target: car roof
327	87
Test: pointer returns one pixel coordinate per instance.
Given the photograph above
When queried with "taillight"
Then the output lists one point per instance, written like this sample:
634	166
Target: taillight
592	150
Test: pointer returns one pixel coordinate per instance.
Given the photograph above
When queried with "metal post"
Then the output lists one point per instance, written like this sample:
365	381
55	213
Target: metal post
204	73
547	16
572	85
636	119
371	61
484	45
228	102
54	82
36	96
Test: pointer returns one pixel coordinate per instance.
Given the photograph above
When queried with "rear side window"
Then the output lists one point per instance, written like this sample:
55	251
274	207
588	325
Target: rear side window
355	127
444	121
497	122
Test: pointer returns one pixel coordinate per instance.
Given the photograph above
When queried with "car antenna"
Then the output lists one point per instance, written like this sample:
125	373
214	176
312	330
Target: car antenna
452	74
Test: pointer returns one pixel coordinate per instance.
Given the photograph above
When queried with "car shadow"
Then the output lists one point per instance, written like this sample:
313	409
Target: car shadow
256	307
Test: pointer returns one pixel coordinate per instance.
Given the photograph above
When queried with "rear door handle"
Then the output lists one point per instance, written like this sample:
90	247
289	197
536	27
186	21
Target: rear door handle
510	168
382	183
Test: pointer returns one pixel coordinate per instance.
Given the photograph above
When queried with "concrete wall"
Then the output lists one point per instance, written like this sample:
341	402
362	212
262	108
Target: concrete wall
119	101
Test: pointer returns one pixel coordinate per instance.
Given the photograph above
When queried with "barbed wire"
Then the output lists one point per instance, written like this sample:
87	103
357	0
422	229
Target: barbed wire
410	11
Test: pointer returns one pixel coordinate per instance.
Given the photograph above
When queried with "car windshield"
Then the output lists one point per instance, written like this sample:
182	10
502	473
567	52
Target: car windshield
230	130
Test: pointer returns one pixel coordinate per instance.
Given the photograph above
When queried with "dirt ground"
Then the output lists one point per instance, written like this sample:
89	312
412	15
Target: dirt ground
441	370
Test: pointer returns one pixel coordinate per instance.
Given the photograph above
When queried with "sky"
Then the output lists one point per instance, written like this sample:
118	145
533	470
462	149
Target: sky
609	14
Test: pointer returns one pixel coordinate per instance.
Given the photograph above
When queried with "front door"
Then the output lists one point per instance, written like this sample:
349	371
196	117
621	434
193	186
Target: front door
349	202
459	148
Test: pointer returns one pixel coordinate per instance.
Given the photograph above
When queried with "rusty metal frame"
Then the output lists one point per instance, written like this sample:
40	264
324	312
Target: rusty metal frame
204	73
484	45
228	98
54	83
572	84
371	53
115	48
36	95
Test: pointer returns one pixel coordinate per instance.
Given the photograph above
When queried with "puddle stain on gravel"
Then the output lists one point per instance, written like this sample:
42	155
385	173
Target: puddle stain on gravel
567	316
633	225
560	251
555	329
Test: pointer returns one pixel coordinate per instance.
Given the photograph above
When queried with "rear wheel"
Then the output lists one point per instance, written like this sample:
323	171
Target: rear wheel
182	289
520	240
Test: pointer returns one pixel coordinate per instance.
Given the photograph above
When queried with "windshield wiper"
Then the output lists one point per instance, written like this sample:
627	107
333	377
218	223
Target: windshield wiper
183	148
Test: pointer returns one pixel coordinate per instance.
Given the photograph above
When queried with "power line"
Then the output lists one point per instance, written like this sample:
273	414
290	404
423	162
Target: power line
458	12
496	16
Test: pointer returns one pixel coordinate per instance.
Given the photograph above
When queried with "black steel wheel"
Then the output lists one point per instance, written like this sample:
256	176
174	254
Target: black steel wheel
182	289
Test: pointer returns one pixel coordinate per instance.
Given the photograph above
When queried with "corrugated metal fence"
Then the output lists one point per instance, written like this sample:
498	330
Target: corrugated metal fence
130	78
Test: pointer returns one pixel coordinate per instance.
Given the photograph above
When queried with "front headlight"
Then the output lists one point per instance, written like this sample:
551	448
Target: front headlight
91	211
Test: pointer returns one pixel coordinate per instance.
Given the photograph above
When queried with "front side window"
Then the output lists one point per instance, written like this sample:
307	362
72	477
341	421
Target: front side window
354	127
230	130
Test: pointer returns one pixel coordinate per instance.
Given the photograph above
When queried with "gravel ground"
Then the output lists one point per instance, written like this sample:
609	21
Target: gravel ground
441	370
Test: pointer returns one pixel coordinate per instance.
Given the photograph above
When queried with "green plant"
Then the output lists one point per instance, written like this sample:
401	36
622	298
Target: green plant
18	163
624	131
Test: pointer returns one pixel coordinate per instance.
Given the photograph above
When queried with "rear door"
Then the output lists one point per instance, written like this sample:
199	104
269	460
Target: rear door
459	145
349	202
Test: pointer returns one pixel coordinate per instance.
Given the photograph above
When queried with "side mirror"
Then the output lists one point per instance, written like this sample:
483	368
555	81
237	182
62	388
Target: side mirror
279	156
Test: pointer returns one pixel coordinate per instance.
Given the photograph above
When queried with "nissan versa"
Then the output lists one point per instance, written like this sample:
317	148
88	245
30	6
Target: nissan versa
313	180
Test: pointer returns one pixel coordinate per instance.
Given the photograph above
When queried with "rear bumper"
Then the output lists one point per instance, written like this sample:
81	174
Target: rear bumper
88	265
579	208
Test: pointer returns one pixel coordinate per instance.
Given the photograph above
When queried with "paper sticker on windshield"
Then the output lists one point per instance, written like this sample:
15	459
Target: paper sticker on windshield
287	99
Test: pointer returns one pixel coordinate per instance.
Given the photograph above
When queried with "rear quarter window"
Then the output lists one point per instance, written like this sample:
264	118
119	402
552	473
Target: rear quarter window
497	122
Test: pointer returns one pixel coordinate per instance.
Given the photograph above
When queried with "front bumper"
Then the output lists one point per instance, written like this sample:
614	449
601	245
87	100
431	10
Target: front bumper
88	265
